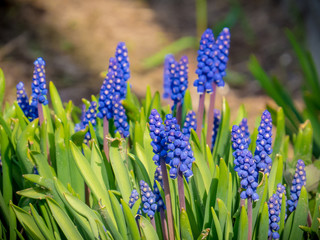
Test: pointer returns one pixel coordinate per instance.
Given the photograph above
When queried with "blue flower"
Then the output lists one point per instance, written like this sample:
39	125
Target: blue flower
120	118
80	126
221	53
281	192
156	191
133	198
216	124
35	170
148	199
39	87
123	61
106	96
245	129
90	116
178	78
166	76
263	143
22	99
206	63
189	123
274	206
115	68
158	136
299	180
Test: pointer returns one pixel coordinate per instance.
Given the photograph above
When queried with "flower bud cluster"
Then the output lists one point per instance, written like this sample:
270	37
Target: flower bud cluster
115	68
239	144
166	76
148	199
120	118
299	180
274	206
281	192
189	123
22	99
263	143
39	87
178	78
123	61
90	116
156	191
133	198
245	129
216	124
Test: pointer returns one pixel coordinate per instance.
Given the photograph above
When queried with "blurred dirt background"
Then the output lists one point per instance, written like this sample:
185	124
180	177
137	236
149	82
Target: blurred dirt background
76	39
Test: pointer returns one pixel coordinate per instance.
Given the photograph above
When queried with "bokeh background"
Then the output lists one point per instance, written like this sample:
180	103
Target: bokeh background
77	38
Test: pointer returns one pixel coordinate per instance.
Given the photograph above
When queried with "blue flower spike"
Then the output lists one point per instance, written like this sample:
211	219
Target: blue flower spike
156	191
120	118
299	180
166	76
281	192
148	199
216	124
90	116
263	143
245	129
206	63
221	53
22	98
39	87
106	96
133	198
274	206
123	61
189	123
115	67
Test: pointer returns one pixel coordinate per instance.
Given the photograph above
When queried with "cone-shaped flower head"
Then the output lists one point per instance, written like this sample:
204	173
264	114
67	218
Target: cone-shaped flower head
189	123
216	124
166	76
133	198
180	155
239	144
90	116
221	56
178	78
114	67
148	199
120	118
39	87
281	192
263	143
158	136
106	96
298	181
22	98
123	61
245	129
156	191
206	63
274	205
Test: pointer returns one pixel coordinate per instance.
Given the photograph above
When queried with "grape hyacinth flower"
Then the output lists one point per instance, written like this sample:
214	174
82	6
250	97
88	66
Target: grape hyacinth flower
123	61
79	126
245	129
90	116
133	198
148	199
115	68
39	87
189	123
221	53
166	76
216	124
299	180
106	96
239	144
274	206
156	191
120	118
263	143
22	99
281	192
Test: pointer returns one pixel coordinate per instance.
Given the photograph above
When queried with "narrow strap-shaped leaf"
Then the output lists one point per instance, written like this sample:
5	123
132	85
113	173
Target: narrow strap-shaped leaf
41	224
186	232
243	225
148	231
130	219
263	227
216	231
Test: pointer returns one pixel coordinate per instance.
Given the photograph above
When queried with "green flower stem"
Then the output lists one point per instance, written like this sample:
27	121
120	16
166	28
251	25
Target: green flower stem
164	224
168	198
105	140
200	114
153	223
249	218
211	115
179	113
181	191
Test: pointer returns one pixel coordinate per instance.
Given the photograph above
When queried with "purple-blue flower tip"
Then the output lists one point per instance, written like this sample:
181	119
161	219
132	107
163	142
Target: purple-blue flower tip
133	198
166	76
148	199
90	116
124	67
156	191
106	96
39	87
22	99
245	129
189	123
274	206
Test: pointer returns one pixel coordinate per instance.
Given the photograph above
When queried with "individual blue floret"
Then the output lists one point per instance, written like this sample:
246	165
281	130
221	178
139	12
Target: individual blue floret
22	99
221	53
263	143
158	136
156	191
106	96
166	76
245	129
90	116
216	124
120	118
39	87
133	198
274	206
206	63
35	170
189	123
123	60
299	180
178	78
148	199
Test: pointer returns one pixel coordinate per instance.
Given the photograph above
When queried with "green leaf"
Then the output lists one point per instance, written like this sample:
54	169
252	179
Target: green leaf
64	222
78	137
148	231
263	223
2	88
41	224
186	106
42	164
280	133
312	182
316	215
282	214
34	193
222	191
56	103
186	232
4	210
303	144
98	166
216	231
222	213
276	173
130	219
262	191
243	225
